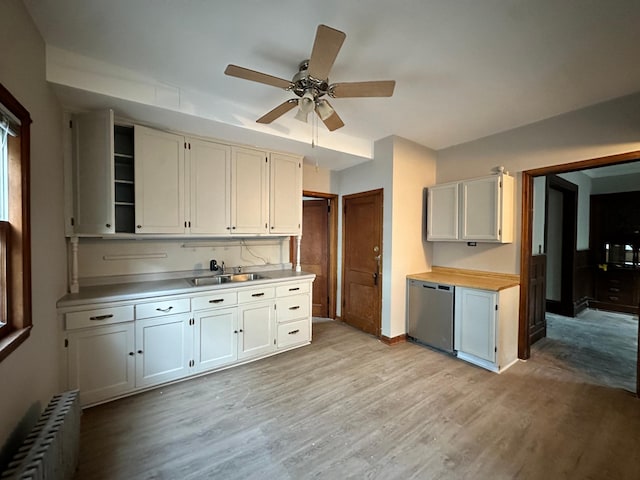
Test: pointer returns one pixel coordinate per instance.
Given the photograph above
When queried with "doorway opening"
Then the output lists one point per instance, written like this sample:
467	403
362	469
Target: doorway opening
531	303
318	249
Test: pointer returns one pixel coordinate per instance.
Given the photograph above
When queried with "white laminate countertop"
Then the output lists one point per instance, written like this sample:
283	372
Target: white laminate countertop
157	288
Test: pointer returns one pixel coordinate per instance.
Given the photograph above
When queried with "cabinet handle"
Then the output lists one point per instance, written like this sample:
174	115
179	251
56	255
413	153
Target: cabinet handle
294	289
164	310
240	330
293	332
101	317
131	354
138	226
296	307
235	331
228	228
613	298
261	294
140	352
233	228
216	300
614	290
108	225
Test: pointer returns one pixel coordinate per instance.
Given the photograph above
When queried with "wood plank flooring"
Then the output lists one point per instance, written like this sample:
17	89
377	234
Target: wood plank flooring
349	406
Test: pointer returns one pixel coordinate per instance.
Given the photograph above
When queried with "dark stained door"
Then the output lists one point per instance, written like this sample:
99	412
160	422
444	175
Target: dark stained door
314	251
362	260
537	298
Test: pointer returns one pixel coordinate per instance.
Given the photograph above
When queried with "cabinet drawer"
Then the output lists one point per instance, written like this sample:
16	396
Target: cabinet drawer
256	294
292	307
160	309
98	316
221	299
295	289
294	332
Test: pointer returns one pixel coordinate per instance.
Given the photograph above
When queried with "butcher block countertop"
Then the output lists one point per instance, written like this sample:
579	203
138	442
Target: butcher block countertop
468	278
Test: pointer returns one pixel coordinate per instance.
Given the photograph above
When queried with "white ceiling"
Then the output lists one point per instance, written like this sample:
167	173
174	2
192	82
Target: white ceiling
464	69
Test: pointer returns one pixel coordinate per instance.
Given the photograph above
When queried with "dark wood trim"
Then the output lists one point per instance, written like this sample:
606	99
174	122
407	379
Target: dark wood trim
525	237
394	340
524	347
333	247
569	193
18	279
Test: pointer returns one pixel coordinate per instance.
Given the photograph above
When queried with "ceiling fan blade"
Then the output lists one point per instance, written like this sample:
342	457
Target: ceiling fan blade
325	50
278	111
333	122
382	88
247	74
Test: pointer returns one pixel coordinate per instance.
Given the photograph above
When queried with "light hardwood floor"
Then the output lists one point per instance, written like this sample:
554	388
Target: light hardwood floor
349	406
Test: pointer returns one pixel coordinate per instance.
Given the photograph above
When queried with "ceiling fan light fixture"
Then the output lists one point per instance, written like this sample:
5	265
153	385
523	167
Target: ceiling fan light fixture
307	102
302	115
324	109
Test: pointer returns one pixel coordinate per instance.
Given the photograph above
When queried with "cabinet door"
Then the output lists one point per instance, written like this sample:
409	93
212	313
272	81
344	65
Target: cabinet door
216	338
249	191
442	212
159	181
164	348
475	325
209	188
481	209
256	332
101	361
285	195
93	187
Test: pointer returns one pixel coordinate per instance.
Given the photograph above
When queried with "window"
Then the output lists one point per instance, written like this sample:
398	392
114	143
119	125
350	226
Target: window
15	243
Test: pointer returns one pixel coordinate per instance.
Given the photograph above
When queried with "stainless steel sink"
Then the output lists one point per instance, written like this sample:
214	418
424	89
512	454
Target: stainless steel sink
220	279
245	277
213	280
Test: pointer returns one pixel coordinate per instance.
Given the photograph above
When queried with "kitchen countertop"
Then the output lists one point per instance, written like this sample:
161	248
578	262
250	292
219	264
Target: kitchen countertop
156	288
468	278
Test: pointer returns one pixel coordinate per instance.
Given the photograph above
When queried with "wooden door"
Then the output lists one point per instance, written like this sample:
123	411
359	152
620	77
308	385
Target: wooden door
537	298
362	260
314	251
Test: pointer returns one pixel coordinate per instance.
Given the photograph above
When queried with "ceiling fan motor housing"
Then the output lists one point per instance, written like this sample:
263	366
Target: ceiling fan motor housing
303	82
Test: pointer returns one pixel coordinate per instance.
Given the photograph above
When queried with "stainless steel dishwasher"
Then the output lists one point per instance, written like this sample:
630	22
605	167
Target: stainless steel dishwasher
430	314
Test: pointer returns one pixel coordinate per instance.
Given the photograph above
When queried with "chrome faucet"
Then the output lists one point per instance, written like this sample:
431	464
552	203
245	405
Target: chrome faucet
214	267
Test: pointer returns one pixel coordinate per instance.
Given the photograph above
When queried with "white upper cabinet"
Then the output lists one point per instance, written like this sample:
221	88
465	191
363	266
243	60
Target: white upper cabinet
442	212
134	179
249	191
159	181
487	209
209	167
285	200
475	210
92	146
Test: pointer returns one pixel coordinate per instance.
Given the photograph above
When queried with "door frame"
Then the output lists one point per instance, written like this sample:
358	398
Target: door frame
569	191
524	348
332	289
376	191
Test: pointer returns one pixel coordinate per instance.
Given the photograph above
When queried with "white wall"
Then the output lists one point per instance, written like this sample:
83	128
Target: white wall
414	169
29	376
605	129
318	179
537	234
101	258
619	183
584	206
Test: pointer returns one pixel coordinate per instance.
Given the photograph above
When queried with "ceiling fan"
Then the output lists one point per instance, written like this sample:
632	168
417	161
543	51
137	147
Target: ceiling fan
311	82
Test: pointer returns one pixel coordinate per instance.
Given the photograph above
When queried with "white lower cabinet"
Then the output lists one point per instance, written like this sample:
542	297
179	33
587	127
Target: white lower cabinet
112	351
486	327
255	332
164	349
216	338
101	361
